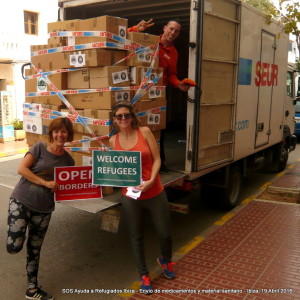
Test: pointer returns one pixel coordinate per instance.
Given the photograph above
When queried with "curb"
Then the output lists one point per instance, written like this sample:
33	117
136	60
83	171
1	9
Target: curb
13	152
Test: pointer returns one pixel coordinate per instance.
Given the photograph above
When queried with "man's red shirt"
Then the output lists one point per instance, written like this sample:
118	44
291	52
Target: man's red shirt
168	57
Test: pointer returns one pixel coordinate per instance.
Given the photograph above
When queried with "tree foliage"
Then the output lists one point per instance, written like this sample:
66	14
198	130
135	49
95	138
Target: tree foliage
290	10
288	15
264	5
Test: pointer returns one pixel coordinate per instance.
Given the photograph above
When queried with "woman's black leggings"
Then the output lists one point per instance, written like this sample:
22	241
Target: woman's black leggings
19	218
159	210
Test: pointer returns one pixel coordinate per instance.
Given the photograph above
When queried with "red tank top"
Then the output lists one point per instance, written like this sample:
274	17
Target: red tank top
147	163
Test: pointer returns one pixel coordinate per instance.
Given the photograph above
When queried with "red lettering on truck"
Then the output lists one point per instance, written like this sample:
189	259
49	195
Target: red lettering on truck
266	74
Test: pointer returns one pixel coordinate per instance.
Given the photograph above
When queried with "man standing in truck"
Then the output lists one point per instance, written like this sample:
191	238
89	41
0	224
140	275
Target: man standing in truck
168	57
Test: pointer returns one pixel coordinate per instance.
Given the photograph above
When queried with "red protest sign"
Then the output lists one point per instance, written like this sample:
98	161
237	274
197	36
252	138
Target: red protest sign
75	183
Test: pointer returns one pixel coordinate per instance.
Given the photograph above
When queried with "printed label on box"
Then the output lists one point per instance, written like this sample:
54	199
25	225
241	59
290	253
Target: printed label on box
71	40
87	160
77	60
152	76
122	31
154	93
32	124
122	96
41	85
153	119
119	77
144	57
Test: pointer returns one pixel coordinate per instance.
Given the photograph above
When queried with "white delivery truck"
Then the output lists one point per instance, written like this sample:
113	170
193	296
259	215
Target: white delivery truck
242	113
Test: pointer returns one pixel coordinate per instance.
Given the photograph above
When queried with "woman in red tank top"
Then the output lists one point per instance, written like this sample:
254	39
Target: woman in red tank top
131	137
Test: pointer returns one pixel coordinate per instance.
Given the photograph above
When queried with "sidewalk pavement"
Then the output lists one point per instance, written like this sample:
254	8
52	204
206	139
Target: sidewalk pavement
253	252
13	148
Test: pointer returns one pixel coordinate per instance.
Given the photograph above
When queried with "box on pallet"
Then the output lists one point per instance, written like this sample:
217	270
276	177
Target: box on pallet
83	58
154	118
76	126
99	100
99	130
39	84
114	25
38	124
137	75
47	100
154	94
81	158
99	77
143	58
94	143
33	138
69	25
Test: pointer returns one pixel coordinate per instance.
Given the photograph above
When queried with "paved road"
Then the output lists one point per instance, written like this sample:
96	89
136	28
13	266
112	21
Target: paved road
78	255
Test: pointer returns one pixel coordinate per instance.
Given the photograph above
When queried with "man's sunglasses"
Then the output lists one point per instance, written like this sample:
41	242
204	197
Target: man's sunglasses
120	116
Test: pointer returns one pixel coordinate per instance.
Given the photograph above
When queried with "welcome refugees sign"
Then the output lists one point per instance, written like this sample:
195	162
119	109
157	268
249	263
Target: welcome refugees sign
117	168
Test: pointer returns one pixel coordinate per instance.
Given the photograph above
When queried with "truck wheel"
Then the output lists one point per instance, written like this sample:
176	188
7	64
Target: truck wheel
230	196
280	157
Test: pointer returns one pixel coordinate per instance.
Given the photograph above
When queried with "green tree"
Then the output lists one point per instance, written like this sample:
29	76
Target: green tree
288	15
290	18
264	5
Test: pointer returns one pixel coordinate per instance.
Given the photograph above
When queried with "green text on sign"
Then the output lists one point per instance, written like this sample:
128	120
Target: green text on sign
117	168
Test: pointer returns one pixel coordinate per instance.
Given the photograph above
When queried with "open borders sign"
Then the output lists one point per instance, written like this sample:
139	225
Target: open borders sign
75	183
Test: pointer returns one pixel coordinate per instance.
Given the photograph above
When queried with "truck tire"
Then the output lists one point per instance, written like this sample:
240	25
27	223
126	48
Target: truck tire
230	196
280	157
224	197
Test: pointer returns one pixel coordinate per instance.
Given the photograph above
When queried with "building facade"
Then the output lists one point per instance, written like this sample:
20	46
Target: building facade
22	23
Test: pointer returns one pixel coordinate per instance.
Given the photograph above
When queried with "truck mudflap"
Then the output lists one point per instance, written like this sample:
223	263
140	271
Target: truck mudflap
110	201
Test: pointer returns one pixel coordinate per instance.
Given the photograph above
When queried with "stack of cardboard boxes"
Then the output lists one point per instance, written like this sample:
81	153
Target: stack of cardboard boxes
96	69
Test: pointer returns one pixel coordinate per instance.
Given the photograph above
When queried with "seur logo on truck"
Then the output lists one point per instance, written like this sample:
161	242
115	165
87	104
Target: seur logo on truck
266	74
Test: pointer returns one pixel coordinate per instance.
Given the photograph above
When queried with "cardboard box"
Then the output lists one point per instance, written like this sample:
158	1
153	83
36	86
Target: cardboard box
76	126
33	138
103	100
137	75
100	115
114	25
39	84
81	158
69	25
34	48
154	119
99	77
154	94
109	76
36	106
144	58
84	58
47	100
36	124
82	136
